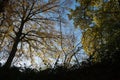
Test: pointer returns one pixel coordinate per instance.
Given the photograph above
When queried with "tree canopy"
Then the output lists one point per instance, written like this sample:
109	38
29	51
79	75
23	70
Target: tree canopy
30	28
99	21
27	27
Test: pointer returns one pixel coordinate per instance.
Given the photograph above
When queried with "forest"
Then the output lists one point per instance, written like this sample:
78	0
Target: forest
59	39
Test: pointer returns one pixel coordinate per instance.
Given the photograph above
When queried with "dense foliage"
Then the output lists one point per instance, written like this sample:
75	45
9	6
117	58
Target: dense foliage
99	21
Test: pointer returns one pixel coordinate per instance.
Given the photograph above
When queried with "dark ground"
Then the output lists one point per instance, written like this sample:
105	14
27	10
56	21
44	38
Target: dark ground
97	71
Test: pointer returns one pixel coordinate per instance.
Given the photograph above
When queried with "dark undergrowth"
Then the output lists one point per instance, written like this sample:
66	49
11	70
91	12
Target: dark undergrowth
97	71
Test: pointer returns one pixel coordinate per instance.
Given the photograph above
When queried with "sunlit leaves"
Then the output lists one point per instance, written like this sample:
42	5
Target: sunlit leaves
30	24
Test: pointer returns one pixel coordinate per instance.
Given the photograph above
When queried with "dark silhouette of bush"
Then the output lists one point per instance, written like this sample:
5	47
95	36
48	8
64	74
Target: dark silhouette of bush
97	71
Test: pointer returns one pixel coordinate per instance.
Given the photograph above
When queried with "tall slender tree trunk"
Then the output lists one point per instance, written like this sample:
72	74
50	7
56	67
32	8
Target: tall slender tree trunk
14	47
12	55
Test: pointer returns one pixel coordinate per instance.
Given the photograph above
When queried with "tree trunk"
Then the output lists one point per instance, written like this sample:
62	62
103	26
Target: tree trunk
14	48
12	55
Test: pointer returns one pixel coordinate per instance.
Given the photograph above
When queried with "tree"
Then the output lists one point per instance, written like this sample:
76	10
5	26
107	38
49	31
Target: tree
70	48
98	20
29	27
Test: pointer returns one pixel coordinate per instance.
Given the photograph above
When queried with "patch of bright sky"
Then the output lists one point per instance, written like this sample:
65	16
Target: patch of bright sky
68	28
